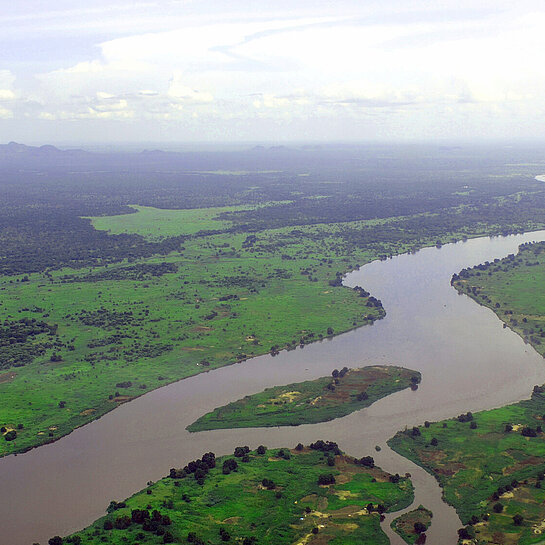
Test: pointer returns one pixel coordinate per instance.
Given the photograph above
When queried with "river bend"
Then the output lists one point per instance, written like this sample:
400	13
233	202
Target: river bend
467	360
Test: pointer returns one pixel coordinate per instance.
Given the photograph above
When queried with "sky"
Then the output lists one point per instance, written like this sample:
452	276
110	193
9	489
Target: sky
118	71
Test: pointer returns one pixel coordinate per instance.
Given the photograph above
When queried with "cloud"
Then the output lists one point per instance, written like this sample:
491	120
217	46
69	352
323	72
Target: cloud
387	60
179	90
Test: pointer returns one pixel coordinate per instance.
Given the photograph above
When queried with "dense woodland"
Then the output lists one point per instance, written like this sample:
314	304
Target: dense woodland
45	195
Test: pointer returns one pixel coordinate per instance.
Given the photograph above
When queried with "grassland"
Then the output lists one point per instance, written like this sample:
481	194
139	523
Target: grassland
482	459
271	497
158	223
513	289
124	329
404	525
311	401
121	329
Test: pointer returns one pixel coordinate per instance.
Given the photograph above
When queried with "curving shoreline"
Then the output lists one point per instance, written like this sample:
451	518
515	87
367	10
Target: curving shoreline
115	456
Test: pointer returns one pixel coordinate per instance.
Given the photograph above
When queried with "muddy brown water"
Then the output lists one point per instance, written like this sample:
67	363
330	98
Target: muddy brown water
467	360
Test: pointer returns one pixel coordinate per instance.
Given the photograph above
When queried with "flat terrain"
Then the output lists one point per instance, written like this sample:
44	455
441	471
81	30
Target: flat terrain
513	289
487	458
404	525
157	223
120	330
120	273
311	401
263	497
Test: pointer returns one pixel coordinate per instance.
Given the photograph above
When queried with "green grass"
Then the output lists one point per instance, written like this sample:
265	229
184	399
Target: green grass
471	465
311	401
222	305
513	289
157	223
404	524
286	513
227	297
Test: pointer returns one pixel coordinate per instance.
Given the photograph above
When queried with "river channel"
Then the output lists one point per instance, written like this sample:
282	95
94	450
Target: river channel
467	360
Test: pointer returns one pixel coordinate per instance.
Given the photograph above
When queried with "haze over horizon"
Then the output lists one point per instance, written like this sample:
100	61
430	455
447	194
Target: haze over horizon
201	71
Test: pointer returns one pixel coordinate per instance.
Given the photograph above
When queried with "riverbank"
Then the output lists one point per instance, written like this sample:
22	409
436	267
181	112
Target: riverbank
121	330
305	495
513	289
115	456
310	402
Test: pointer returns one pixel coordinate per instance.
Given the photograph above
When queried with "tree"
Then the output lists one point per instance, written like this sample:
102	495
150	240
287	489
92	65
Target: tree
57	540
434	442
498	507
518	519
11	435
419	527
326	479
261	450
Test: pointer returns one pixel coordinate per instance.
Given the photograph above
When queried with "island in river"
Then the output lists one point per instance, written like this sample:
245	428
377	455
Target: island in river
306	495
311	401
491	464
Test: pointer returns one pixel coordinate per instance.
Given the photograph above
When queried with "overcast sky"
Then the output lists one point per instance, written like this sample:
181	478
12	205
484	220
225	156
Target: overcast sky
247	70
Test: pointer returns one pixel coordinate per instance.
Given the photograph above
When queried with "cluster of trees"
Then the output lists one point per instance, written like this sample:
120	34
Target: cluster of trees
326	446
366	461
19	344
198	468
108	319
153	522
142	271
326	479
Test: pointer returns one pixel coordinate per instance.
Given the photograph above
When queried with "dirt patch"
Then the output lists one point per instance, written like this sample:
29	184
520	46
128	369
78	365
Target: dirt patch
346	511
201	328
191	348
530	461
449	469
343	478
120	399
87	412
230	520
345	494
6	377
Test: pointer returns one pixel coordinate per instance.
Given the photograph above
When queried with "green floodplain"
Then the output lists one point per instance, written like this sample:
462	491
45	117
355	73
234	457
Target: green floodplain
312	401
116	282
113	332
491	464
412	526
79	341
305	496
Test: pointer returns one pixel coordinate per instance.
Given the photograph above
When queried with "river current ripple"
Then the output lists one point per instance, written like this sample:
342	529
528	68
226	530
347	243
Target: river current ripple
467	360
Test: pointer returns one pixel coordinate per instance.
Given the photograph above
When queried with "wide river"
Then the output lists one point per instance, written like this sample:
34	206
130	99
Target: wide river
468	362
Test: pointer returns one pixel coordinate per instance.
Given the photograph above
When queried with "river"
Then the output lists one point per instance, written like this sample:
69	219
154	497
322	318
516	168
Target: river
467	360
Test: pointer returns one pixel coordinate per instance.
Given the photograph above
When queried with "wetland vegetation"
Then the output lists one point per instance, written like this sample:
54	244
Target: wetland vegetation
491	464
306	495
513	289
312	401
412	526
246	262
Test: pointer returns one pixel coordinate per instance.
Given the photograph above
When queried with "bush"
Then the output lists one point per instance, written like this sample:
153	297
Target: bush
419	527
518	520
326	478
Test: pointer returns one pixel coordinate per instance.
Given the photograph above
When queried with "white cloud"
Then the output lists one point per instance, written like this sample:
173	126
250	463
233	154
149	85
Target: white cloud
410	66
5	113
179	90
